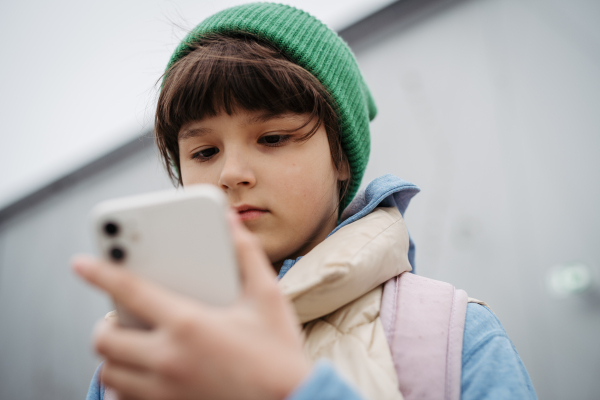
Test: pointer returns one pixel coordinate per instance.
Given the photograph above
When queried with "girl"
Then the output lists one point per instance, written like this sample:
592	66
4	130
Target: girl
268	104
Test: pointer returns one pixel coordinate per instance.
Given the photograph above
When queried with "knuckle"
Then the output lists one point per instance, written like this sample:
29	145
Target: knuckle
168	365
101	342
184	326
99	346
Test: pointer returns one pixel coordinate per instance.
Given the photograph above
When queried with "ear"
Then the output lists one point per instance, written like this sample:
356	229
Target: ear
344	171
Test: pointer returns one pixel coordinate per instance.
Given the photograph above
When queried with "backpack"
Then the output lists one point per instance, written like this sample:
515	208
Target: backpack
423	320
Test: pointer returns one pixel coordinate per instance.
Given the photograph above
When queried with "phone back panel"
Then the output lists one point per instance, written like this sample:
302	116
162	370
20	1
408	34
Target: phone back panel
177	239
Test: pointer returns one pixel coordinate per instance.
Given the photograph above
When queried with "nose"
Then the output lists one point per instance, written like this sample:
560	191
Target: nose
236	172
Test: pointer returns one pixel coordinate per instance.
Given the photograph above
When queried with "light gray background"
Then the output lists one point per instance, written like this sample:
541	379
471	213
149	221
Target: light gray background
490	106
78	77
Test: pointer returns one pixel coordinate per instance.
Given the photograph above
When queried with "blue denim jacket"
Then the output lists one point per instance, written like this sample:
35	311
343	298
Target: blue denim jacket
491	366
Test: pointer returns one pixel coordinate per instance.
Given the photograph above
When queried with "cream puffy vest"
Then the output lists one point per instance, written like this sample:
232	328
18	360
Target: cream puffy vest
337	291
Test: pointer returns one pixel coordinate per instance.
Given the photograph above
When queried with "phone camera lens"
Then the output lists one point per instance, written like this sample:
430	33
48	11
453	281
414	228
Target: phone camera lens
117	254
111	228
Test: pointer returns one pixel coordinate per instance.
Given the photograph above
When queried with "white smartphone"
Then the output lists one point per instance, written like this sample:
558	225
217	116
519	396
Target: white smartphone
178	239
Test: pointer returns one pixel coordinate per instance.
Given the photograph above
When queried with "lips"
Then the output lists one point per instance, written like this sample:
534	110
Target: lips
249	212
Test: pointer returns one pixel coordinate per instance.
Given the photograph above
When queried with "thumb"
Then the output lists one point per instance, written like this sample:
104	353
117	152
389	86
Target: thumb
256	271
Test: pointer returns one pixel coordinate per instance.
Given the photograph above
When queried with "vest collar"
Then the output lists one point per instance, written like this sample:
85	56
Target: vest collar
353	260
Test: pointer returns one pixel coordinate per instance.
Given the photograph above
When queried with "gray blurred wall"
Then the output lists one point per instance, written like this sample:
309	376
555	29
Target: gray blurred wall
490	106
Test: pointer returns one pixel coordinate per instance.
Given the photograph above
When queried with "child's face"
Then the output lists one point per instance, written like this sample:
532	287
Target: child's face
290	187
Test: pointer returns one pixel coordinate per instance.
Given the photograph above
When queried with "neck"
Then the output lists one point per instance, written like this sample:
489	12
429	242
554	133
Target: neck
312	242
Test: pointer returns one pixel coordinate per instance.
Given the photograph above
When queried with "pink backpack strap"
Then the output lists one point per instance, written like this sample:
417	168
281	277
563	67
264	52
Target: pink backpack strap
424	321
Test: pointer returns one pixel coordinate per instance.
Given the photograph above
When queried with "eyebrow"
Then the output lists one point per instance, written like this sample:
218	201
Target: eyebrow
193	133
263	117
267	116
257	119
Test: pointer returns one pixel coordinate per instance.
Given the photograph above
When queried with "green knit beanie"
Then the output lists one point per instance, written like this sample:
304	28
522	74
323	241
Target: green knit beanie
312	45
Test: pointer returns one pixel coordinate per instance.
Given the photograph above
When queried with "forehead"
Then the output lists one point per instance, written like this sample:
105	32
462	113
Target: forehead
242	119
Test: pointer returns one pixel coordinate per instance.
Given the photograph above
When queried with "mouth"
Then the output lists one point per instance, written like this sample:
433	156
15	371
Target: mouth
248	212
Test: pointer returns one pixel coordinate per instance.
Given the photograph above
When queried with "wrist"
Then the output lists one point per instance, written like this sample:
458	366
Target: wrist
324	383
292	378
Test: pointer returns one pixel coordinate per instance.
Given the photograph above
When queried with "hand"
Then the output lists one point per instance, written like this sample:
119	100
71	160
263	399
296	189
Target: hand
251	350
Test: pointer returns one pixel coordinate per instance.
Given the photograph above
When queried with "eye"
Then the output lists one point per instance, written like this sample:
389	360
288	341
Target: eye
274	140
205	154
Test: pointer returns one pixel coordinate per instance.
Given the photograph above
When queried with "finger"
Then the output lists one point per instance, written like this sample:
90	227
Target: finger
255	268
132	347
143	298
131	383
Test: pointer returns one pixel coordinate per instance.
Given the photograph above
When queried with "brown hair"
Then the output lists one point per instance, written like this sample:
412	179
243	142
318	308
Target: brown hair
225	72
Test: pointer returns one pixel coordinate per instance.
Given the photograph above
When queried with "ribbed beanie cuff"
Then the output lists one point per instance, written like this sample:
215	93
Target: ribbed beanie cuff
312	45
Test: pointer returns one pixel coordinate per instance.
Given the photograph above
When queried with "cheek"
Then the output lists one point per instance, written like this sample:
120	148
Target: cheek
191	173
307	179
